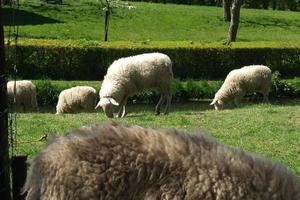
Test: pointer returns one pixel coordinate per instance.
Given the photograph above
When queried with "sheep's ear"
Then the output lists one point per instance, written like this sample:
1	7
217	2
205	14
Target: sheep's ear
213	102
98	105
102	102
113	102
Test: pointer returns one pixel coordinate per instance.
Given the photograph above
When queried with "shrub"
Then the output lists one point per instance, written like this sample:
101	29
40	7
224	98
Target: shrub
82	60
281	88
182	91
47	93
179	93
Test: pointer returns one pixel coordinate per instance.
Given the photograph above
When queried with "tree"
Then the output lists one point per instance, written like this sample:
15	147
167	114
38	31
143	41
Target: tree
226	8
108	6
235	19
107	11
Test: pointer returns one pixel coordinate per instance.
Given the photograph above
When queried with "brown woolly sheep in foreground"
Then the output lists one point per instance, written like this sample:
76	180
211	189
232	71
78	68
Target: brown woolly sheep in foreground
111	161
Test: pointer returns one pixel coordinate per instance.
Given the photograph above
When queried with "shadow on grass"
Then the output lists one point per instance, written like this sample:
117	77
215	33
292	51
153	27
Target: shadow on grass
193	106
189	108
25	18
285	101
272	22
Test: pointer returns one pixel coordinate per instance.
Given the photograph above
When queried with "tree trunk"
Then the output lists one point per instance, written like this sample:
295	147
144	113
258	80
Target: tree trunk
265	4
235	19
106	24
226	8
4	153
274	4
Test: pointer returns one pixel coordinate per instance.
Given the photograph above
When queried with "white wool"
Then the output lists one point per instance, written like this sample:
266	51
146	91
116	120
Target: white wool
75	99
246	80
130	75
25	95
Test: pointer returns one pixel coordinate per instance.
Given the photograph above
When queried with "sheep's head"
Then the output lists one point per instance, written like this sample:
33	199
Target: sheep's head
218	104
107	105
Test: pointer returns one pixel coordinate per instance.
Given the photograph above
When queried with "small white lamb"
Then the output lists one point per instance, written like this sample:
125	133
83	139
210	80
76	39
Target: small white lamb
239	82
80	98
130	75
25	96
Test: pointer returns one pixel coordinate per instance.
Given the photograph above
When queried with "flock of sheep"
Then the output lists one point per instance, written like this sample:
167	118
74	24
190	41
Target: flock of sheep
115	162
127	76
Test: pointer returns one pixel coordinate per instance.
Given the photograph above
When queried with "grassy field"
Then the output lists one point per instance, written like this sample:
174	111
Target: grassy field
271	130
151	22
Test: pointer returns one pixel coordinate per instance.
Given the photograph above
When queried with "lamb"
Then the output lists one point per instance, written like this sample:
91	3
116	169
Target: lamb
239	82
75	99
25	95
111	161
130	75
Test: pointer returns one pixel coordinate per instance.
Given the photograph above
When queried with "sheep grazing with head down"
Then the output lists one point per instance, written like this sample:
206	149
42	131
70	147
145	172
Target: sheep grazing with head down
111	161
25	95
130	75
239	82
75	99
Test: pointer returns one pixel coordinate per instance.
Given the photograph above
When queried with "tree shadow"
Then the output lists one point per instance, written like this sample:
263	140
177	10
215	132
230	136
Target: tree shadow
187	107
23	17
272	22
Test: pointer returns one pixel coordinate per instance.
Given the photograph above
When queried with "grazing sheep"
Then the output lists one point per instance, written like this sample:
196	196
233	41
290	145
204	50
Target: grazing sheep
25	96
75	99
127	76
110	161
239	82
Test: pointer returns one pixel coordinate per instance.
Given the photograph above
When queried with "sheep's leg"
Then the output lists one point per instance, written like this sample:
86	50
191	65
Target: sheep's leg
167	109
157	107
124	113
265	93
236	101
121	109
23	107
266	98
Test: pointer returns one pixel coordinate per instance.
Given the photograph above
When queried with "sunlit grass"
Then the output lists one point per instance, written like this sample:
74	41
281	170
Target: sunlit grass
152	22
271	130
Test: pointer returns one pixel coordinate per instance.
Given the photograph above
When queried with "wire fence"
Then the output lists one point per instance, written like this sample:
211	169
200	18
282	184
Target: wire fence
8	118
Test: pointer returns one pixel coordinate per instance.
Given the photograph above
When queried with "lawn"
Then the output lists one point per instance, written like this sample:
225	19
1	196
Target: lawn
271	130
151	22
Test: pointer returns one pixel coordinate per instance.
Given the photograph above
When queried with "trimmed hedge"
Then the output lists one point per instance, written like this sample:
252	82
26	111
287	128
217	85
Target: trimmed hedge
48	91
85	60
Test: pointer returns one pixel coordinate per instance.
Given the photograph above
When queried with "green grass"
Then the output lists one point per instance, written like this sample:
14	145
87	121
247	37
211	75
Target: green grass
271	130
152	22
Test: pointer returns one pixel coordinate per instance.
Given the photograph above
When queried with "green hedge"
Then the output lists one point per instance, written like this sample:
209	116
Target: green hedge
48	91
84	60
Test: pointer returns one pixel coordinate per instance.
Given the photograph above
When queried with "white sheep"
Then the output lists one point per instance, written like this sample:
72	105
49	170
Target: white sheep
75	99
239	82
110	161
130	75
25	95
